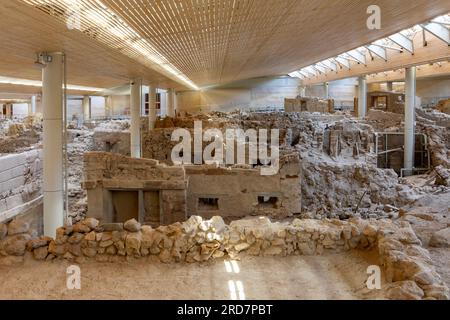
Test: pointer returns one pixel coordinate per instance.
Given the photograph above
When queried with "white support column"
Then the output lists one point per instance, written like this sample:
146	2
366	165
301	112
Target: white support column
175	103
52	101
33	104
151	107
326	89
86	108
362	96
410	101
143	94
29	111
162	103
171	103
302	91
135	105
108	106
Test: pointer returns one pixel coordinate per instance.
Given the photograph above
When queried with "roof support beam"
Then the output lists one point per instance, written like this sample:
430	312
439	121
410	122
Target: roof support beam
437	50
296	74
343	61
438	30
330	65
319	68
304	74
403	41
378	51
310	70
358	56
387	47
349	58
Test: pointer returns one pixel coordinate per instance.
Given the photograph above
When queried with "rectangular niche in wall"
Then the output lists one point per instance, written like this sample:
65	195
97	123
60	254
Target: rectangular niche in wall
208	204
267	201
125	205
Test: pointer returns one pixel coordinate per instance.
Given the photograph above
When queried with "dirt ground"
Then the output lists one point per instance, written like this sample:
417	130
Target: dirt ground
332	276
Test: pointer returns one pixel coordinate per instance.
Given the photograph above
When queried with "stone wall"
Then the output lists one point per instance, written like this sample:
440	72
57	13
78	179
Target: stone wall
407	264
346	139
20	182
120	187
300	104
332	191
444	106
112	141
394	102
157	144
205	190
18	136
239	192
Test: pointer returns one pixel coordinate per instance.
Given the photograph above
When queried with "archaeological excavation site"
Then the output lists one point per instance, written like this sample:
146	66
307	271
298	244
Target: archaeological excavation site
225	150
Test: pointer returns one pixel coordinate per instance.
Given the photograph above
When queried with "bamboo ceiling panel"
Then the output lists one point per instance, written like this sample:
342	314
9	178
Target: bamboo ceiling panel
206	42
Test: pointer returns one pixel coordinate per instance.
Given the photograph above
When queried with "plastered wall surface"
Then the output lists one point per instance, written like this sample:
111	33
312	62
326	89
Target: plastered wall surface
250	94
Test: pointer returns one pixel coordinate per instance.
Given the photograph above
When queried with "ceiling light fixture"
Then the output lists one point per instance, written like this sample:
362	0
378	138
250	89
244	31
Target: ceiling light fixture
36	83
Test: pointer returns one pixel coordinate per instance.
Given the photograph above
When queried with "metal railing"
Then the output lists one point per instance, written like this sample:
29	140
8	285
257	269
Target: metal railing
387	151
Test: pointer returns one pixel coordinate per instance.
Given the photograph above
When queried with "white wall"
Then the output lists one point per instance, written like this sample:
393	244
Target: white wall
120	105
432	91
253	93
342	91
20	110
74	107
428	90
97	106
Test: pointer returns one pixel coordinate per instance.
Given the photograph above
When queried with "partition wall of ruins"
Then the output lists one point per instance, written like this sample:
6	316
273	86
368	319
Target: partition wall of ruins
314	145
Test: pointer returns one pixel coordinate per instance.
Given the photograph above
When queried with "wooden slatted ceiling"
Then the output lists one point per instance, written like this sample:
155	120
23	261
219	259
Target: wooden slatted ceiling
218	41
25	31
215	41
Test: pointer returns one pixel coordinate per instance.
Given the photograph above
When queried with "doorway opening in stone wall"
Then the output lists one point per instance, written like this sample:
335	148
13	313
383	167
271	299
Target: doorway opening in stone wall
125	205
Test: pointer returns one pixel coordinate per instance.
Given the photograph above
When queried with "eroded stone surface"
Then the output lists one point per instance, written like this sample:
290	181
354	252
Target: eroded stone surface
440	238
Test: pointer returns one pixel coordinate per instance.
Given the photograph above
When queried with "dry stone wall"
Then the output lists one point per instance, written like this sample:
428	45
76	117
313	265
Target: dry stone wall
20	181
309	104
407	264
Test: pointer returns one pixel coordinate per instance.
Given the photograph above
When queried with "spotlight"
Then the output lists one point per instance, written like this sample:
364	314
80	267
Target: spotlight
42	58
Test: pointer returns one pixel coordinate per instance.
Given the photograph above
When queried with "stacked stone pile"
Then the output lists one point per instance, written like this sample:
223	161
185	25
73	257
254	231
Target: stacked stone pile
408	266
14	237
338	186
